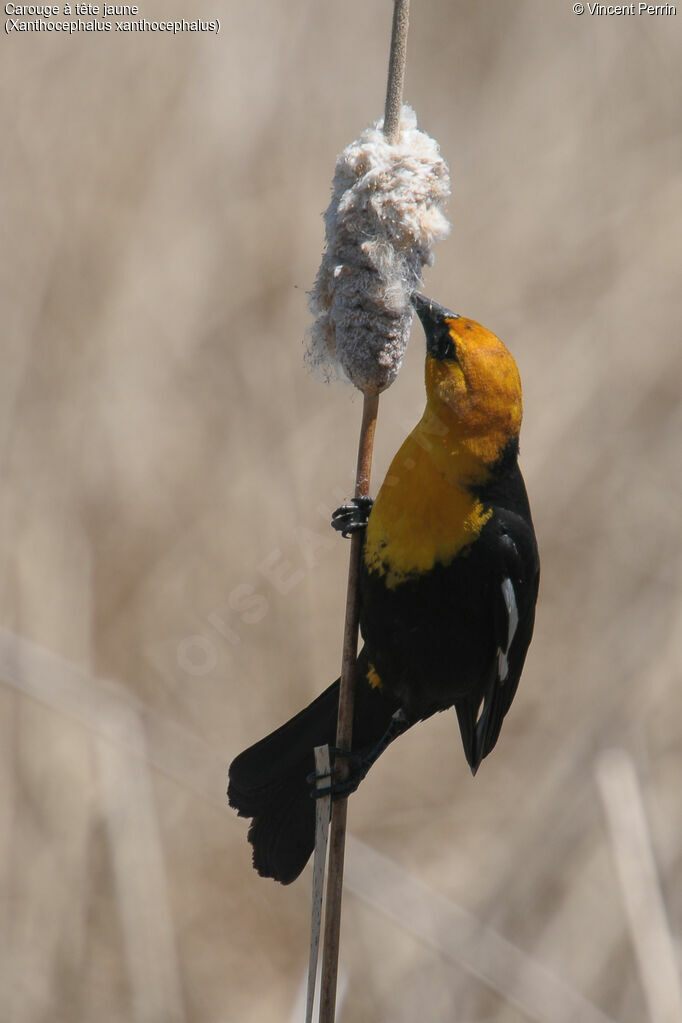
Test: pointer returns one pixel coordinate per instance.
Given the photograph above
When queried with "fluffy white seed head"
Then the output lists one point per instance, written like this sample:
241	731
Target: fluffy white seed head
385	214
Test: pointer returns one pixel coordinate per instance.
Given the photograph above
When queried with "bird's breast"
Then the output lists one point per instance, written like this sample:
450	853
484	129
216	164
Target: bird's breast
420	518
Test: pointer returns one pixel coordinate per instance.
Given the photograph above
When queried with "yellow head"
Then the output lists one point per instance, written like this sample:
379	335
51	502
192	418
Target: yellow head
473	387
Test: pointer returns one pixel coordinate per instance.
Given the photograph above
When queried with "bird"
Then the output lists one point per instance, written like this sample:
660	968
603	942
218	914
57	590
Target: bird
448	585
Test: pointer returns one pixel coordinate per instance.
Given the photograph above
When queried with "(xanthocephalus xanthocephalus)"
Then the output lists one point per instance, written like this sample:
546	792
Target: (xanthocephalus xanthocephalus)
448	586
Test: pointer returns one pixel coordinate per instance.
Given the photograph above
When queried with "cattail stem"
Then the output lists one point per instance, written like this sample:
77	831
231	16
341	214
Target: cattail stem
344	728
344	733
396	69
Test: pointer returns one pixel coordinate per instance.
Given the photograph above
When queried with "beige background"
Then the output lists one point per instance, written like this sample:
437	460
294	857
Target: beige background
169	588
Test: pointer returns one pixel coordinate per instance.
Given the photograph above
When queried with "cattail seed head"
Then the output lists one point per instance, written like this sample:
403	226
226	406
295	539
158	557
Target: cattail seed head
385	214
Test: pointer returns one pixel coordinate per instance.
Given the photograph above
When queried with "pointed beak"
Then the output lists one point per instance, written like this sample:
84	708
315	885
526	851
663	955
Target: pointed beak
430	312
434	319
421	304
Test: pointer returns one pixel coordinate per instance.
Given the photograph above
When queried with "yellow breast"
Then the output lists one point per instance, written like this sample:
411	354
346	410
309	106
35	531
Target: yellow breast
421	517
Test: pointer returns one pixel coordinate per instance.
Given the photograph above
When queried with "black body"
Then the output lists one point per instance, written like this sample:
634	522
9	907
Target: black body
453	635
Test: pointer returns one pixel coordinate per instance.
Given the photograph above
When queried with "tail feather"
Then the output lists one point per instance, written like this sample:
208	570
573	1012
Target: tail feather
282	833
268	781
279	753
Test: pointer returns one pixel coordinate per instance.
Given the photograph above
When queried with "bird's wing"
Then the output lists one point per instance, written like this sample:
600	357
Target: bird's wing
512	586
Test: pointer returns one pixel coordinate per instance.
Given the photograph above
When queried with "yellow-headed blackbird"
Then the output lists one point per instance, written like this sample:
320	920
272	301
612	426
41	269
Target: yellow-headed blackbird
448	586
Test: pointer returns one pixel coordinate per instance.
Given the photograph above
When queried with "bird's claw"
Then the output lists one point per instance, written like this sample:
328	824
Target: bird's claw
352	517
346	772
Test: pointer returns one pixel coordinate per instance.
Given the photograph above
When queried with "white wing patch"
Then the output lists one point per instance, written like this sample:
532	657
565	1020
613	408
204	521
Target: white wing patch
512	623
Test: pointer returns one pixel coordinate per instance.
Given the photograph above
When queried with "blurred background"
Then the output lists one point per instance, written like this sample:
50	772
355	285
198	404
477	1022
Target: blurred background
170	589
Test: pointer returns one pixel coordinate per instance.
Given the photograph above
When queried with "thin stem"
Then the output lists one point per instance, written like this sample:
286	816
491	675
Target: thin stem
396	69
344	732
344	728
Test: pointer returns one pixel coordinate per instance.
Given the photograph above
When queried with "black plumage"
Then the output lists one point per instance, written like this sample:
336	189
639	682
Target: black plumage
448	587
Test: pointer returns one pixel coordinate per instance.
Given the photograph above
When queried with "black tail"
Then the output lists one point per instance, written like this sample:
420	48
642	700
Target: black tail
268	781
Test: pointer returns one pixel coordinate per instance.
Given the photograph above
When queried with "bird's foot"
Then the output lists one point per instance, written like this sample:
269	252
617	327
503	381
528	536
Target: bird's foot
352	517
346	772
349	768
